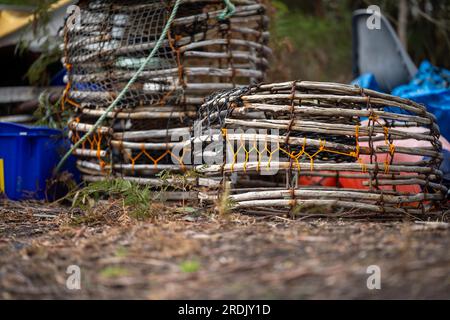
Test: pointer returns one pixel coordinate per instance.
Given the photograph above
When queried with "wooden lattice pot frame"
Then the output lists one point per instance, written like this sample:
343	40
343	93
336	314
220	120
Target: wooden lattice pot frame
201	54
333	149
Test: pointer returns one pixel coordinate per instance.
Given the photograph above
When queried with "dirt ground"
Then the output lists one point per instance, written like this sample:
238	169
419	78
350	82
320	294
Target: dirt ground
195	255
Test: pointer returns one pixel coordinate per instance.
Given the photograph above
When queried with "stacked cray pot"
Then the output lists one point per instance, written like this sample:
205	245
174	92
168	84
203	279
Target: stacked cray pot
203	52
321	149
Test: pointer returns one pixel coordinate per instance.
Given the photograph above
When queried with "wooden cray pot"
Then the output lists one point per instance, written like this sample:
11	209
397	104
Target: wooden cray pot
202	53
322	149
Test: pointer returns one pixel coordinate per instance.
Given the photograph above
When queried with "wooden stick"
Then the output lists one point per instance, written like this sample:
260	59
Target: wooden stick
189	71
333	111
140	115
145	134
323	127
338	193
355	167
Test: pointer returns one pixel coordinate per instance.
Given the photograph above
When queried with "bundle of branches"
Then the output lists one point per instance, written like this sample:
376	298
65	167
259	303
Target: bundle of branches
203	52
312	148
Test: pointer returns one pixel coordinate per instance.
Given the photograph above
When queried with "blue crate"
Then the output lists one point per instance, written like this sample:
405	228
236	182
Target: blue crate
28	156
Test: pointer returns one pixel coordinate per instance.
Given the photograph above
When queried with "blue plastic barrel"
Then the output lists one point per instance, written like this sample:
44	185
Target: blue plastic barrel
28	156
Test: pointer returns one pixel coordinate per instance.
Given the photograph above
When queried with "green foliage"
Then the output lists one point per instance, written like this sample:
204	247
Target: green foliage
114	272
428	29
312	39
51	114
134	196
280	7
37	73
189	266
311	47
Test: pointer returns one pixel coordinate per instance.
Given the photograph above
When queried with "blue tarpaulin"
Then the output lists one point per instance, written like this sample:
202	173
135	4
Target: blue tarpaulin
368	81
430	86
